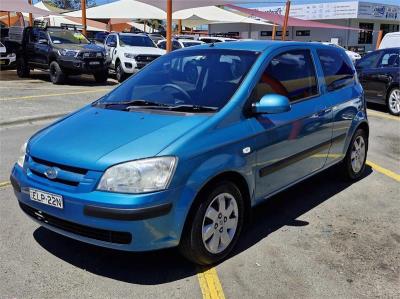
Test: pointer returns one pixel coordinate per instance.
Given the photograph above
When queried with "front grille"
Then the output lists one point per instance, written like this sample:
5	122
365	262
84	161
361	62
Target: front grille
61	166
90	55
78	229
146	58
61	181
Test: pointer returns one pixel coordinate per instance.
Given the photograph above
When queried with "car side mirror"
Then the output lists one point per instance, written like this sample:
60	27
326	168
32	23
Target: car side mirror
43	41
112	44
272	104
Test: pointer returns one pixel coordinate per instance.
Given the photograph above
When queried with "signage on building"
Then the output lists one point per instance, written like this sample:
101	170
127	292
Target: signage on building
378	11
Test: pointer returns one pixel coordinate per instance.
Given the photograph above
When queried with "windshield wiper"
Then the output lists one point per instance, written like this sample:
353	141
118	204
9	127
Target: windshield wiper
192	108
130	104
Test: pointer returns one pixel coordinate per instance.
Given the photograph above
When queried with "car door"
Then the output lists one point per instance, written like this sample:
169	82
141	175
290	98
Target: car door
110	47
42	48
388	65
294	144
368	74
31	40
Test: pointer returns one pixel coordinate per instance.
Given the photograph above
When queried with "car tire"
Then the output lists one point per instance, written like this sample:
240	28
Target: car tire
212	230
101	77
23	70
57	76
119	71
353	165
393	101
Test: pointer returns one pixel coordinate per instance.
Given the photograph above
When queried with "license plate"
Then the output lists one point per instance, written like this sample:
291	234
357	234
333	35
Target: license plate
46	198
2	62
94	62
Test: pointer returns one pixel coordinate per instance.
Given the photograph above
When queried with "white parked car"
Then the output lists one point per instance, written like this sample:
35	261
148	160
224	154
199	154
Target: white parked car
390	40
216	39
353	55
179	43
130	52
6	59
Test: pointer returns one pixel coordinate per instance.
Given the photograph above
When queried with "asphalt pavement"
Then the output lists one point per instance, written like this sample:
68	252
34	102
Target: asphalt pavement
324	238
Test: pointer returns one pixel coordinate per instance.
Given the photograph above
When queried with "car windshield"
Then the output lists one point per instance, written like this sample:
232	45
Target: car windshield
190	44
136	41
67	37
189	78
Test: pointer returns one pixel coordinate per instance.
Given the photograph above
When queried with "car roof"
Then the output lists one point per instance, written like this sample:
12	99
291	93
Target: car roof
131	34
191	41
263	45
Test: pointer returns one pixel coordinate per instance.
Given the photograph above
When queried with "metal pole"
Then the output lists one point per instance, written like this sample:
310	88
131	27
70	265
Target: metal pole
179	26
273	32
30	15
9	19
379	40
83	7
169	25
144	25
285	22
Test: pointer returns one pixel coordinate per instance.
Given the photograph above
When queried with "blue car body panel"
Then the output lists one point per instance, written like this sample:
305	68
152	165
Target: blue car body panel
270	152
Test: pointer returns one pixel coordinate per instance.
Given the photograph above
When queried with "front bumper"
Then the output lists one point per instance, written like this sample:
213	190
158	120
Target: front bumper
7	61
120	221
85	66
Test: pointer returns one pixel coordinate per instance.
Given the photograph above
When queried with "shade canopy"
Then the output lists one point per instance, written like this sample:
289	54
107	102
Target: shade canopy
122	9
58	20
292	22
193	17
22	6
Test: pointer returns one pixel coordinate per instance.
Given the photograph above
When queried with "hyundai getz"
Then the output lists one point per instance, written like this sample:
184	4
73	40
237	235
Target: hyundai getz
180	153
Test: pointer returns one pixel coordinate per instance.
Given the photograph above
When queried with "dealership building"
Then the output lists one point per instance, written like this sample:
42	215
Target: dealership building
371	17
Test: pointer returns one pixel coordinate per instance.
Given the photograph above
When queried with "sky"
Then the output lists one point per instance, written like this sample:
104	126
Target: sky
277	2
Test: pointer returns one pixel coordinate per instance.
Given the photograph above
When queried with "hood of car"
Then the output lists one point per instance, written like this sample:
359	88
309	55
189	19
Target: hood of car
96	138
142	50
79	47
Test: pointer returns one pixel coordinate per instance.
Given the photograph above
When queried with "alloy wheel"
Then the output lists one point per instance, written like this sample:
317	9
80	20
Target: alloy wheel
358	154
220	223
394	101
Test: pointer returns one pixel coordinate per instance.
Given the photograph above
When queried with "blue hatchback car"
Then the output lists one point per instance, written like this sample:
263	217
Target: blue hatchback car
180	153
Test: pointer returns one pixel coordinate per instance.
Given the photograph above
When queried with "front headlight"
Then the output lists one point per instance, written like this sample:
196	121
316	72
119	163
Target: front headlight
22	153
129	55
140	176
70	53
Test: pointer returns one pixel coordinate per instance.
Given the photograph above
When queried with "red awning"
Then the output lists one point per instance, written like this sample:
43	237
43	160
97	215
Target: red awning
23	6
293	22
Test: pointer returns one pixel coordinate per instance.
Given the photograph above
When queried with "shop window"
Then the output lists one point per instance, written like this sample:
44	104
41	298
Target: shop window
386	28
266	33
365	36
302	32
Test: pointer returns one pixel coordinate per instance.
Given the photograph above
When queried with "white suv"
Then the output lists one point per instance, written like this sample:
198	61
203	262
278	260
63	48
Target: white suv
130	52
6	59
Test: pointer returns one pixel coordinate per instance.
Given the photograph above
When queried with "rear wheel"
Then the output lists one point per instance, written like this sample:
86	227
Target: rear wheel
393	101
215	226
23	70
56	74
101	77
121	76
353	164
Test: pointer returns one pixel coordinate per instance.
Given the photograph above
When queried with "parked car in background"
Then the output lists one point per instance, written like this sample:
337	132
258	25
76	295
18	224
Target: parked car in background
390	40
215	39
180	43
6	59
155	37
353	55
62	52
164	160
379	73
130	52
100	37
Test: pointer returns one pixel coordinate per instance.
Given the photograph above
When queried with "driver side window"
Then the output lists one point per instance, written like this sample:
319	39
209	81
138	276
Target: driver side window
110	39
291	74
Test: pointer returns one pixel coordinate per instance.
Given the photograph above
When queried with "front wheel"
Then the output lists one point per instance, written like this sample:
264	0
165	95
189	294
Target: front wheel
215	226
57	76
353	164
23	70
393	101
121	76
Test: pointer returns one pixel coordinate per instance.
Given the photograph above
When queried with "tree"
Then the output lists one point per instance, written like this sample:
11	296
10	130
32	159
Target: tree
70	4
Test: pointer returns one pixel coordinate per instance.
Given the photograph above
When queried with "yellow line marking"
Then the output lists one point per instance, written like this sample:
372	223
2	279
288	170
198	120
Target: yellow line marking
382	115
384	171
54	95
4	184
209	283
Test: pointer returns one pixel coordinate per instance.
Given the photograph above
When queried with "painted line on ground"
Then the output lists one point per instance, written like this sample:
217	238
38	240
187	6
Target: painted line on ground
54	95
384	171
5	184
209	283
382	115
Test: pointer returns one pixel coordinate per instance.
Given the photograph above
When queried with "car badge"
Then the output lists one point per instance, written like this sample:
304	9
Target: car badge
51	173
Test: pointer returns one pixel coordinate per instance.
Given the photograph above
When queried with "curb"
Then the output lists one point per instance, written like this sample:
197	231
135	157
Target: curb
22	120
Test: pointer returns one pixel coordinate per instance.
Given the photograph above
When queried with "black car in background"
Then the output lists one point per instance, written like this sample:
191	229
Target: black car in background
379	73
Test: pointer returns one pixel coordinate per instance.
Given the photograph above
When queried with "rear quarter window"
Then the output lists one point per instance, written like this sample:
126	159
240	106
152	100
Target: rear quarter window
337	68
